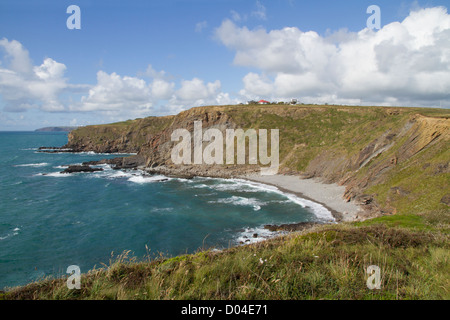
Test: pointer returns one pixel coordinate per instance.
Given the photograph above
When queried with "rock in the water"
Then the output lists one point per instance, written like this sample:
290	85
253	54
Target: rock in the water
54	149
82	168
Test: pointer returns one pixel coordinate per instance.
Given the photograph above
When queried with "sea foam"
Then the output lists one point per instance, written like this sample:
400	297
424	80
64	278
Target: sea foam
242	185
253	235
141	179
35	165
240	201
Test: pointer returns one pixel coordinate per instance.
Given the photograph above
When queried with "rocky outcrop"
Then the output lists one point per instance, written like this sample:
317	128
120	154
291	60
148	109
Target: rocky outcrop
82	168
121	137
158	149
130	162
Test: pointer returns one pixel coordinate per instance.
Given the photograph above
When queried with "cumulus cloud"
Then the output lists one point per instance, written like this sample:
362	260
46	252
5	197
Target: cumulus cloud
116	93
154	74
18	56
161	89
131	95
24	87
405	62
196	92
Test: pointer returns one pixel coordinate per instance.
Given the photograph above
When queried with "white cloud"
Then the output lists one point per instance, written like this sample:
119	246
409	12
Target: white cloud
196	89
116	93
256	85
19	58
200	26
50	69
260	11
24	87
132	96
196	92
405	62
161	89
152	73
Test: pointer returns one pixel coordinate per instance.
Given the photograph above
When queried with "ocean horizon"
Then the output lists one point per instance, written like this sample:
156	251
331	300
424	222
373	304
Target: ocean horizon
51	220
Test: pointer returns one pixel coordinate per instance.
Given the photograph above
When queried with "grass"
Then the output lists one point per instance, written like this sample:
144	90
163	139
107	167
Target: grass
328	262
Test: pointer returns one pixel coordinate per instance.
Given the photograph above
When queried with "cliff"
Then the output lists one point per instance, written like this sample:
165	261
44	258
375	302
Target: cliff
390	159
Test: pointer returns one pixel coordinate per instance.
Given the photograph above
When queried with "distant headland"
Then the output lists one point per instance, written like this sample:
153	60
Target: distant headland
56	129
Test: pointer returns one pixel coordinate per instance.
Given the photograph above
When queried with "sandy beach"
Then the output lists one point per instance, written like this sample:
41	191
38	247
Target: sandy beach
329	195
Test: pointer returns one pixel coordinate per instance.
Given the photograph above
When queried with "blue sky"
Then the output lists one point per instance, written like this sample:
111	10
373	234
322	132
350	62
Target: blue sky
139	58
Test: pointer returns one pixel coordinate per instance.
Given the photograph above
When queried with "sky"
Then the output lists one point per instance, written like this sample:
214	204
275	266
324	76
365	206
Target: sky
136	58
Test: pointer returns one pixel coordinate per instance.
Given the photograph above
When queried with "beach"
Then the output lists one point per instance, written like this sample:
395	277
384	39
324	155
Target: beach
328	195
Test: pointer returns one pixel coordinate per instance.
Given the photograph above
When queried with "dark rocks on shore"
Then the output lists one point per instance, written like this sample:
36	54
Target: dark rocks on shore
48	148
54	149
131	162
115	162
82	168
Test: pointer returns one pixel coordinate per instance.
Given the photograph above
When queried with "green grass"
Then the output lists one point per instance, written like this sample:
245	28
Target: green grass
329	262
404	221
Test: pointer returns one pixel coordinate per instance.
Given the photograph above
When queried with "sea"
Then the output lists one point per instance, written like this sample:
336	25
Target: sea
50	220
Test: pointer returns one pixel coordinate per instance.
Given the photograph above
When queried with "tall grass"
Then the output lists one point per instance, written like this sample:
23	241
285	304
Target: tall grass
328	262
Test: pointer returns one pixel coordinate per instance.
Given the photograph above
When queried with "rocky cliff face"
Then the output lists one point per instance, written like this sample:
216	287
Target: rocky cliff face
377	153
122	137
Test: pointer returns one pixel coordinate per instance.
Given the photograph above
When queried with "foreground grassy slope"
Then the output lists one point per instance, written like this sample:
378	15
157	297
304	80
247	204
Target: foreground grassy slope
329	262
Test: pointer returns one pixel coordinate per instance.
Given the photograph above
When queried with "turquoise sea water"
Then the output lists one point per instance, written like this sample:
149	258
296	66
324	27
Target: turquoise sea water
49	220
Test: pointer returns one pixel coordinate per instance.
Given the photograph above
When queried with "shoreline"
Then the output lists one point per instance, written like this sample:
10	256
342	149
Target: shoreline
329	196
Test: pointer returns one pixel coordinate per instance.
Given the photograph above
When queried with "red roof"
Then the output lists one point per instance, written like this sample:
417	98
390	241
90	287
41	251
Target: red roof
263	101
